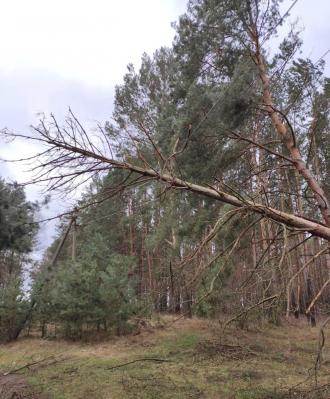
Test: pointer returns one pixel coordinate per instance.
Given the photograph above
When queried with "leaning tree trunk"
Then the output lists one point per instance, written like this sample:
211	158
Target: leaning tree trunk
287	135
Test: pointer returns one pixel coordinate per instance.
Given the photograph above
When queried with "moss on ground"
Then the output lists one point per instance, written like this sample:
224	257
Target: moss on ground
275	363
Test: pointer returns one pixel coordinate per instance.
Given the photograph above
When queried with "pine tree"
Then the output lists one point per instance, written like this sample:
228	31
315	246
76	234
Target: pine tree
17	234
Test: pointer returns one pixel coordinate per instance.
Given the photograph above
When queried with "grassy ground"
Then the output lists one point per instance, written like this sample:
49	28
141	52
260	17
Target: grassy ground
200	364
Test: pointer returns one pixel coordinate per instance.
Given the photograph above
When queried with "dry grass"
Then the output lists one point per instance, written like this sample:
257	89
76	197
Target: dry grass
202	364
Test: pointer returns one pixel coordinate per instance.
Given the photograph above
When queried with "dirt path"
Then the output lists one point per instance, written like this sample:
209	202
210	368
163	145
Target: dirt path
13	386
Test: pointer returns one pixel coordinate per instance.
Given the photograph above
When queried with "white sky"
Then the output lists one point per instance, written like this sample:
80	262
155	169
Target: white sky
73	52
89	41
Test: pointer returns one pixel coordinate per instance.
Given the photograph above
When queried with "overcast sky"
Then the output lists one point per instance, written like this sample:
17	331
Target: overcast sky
56	54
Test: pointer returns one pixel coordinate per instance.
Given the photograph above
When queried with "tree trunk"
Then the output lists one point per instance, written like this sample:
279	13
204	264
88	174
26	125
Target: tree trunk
287	136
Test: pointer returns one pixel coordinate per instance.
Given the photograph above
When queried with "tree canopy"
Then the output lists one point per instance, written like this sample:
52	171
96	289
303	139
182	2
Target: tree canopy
210	184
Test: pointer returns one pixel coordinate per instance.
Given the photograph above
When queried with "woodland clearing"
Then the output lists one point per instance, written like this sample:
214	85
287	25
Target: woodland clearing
185	359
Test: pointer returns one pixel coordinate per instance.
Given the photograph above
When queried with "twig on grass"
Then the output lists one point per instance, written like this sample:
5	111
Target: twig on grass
147	359
28	365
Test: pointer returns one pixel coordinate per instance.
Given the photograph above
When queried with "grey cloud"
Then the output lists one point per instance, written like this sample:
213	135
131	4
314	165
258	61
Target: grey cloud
24	93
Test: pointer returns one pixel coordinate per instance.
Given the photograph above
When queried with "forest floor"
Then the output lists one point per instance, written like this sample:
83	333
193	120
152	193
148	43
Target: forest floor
186	359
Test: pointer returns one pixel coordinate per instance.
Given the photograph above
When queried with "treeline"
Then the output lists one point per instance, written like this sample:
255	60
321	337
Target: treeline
216	109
